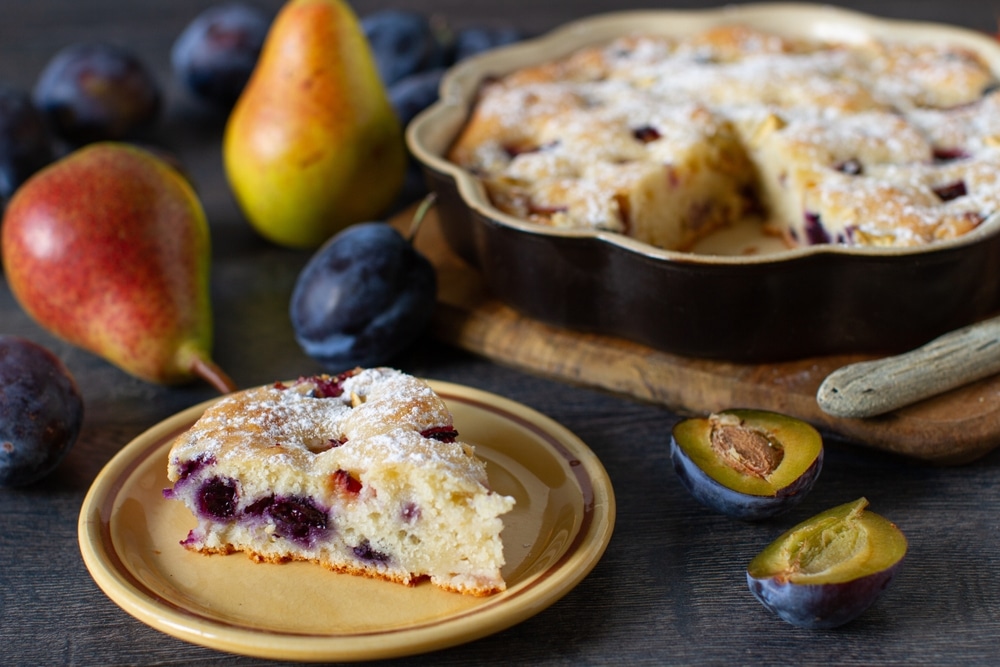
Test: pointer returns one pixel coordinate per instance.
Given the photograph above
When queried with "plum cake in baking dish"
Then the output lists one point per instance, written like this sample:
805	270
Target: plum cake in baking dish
360	472
665	139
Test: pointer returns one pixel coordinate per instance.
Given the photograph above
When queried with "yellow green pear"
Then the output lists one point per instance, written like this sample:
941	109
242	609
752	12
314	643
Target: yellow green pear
313	144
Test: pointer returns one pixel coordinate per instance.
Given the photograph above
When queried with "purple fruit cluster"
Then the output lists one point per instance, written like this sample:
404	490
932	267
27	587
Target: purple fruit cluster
413	50
41	411
100	91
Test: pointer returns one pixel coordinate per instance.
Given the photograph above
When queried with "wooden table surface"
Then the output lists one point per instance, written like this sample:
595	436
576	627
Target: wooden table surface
670	588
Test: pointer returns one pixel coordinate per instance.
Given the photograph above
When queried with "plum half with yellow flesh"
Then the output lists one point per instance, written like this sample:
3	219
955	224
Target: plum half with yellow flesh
747	464
829	569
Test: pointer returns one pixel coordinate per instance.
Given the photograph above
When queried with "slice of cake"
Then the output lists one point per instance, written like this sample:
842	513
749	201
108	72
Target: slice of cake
908	204
361	473
801	155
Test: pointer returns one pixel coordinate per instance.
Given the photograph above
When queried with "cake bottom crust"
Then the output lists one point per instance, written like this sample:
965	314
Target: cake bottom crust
341	568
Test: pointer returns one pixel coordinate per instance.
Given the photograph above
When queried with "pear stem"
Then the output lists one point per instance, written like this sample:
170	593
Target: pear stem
419	215
209	371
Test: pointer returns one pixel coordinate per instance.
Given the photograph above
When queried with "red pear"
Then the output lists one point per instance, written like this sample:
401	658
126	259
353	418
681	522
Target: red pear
109	249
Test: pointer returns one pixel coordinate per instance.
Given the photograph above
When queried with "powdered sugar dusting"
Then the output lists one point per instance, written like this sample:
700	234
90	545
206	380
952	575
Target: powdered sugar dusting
359	472
823	131
290	425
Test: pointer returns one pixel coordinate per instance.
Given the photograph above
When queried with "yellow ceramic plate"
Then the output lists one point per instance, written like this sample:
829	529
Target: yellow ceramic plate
565	512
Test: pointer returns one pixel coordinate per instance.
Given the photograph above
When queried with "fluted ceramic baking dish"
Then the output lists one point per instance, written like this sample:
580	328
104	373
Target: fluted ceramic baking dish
775	305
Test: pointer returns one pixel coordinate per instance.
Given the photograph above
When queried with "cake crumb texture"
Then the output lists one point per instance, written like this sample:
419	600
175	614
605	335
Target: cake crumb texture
667	139
362	473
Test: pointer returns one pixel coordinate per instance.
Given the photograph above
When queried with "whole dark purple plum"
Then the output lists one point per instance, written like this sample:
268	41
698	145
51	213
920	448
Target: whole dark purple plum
747	464
403	42
363	297
414	93
475	40
829	569
216	53
25	142
95	92
409	96
41	411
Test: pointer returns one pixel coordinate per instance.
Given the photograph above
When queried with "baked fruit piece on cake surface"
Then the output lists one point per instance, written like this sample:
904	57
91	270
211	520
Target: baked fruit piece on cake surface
360	472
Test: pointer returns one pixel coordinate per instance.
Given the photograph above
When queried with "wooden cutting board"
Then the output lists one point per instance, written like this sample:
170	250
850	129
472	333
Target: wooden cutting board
953	428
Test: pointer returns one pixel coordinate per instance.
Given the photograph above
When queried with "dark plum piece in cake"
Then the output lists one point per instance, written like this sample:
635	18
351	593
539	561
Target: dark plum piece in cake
217	498
814	231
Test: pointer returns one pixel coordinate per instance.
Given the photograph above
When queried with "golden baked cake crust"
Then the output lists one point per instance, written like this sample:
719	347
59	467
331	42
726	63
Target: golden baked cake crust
360	472
666	139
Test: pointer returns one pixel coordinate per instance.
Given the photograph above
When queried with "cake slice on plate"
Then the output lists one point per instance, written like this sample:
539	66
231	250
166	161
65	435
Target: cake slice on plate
361	473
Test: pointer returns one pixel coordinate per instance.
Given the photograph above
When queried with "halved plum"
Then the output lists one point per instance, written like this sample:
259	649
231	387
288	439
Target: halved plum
747	464
829	569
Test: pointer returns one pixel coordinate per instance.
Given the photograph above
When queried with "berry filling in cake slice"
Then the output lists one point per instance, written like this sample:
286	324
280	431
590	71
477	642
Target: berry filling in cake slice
361	473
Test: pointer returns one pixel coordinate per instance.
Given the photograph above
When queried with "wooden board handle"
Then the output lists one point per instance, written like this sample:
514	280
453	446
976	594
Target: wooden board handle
871	388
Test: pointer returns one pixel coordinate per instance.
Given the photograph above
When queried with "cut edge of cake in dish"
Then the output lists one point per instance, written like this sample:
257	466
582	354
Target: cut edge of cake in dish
668	138
360	472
